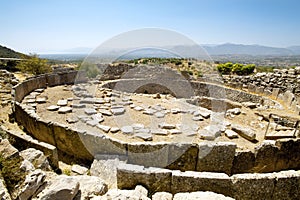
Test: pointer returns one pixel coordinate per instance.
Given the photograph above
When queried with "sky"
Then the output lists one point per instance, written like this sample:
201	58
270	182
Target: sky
48	26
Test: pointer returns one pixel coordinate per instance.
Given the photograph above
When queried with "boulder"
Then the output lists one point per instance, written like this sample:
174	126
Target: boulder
63	187
7	150
36	157
31	184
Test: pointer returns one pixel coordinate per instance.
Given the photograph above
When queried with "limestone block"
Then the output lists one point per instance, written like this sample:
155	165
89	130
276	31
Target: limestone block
253	186
243	162
7	150
245	132
191	181
162	196
148	154
90	185
182	156
266	156
216	156
154	179
200	195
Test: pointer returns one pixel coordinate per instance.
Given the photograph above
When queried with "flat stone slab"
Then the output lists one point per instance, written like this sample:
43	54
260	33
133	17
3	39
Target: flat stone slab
92	123
41	100
197	118
138	108
114	129
98	117
62	102
175	131
161	132
137	126
105	112
87	101
231	134
78	105
159	115
245	132
53	108
90	111
149	111
72	119
144	136
118	111
166	126
103	128
127	129
65	109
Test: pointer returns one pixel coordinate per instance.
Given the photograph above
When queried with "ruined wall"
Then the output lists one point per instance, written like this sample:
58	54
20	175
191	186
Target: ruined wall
206	156
282	84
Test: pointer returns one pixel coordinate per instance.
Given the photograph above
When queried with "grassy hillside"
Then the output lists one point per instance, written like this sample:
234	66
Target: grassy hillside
9	53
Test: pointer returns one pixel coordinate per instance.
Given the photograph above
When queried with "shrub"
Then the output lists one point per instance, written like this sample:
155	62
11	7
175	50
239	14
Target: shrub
34	65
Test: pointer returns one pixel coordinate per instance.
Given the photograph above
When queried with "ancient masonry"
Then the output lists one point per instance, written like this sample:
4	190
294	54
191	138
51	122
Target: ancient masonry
268	169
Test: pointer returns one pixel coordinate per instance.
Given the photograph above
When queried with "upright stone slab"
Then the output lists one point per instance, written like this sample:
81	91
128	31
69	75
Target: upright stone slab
148	154
216	156
243	162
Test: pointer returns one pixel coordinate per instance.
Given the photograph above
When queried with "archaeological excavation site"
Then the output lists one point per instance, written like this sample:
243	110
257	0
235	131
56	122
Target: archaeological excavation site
153	132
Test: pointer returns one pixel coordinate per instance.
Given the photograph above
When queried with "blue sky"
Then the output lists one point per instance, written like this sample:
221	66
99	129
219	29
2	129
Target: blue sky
55	25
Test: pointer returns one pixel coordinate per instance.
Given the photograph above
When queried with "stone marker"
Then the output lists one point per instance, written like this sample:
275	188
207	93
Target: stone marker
127	129
62	102
104	128
53	108
65	109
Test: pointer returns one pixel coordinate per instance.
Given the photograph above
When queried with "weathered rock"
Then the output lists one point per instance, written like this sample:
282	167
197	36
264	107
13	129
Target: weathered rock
114	129
27	166
90	111
201	195
63	110
63	187
216	156
37	158
162	196
235	111
62	102
72	119
90	186
243	162
144	136
105	112
159	114
118	111
249	105
104	128
53	108
166	126
78	169
92	122
245	132
41	100
231	134
7	150
159	132
127	129
105	167
4	194
97	117
124	194
31	184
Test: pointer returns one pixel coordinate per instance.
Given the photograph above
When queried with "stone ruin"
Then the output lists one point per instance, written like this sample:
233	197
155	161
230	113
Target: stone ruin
240	139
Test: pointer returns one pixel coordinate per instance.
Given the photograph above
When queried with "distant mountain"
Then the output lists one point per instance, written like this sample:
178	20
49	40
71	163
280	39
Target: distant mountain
9	53
295	49
255	50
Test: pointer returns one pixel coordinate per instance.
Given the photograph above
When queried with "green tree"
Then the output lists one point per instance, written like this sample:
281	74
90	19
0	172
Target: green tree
34	65
225	68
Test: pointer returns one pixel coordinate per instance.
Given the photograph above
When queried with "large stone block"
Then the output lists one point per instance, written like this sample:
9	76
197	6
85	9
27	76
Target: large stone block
243	162
148	154
216	156
253	186
201	181
182	156
288	155
154	179
287	185
266	156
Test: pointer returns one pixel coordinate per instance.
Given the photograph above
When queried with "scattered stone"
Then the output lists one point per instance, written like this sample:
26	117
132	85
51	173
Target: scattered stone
114	129
149	111
63	187
175	110
166	126
231	134
104	128
36	157
144	136
92	123
63	110
84	118
235	111
31	184
200	195
99	101
250	105
78	105
160	115
53	108
105	112
87	101
245	132
72	119
118	111
90	111
62	102
7	150
41	100
174	131
127	129
125	194
137	126
98	117
159	132
198	118
78	169
138	108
